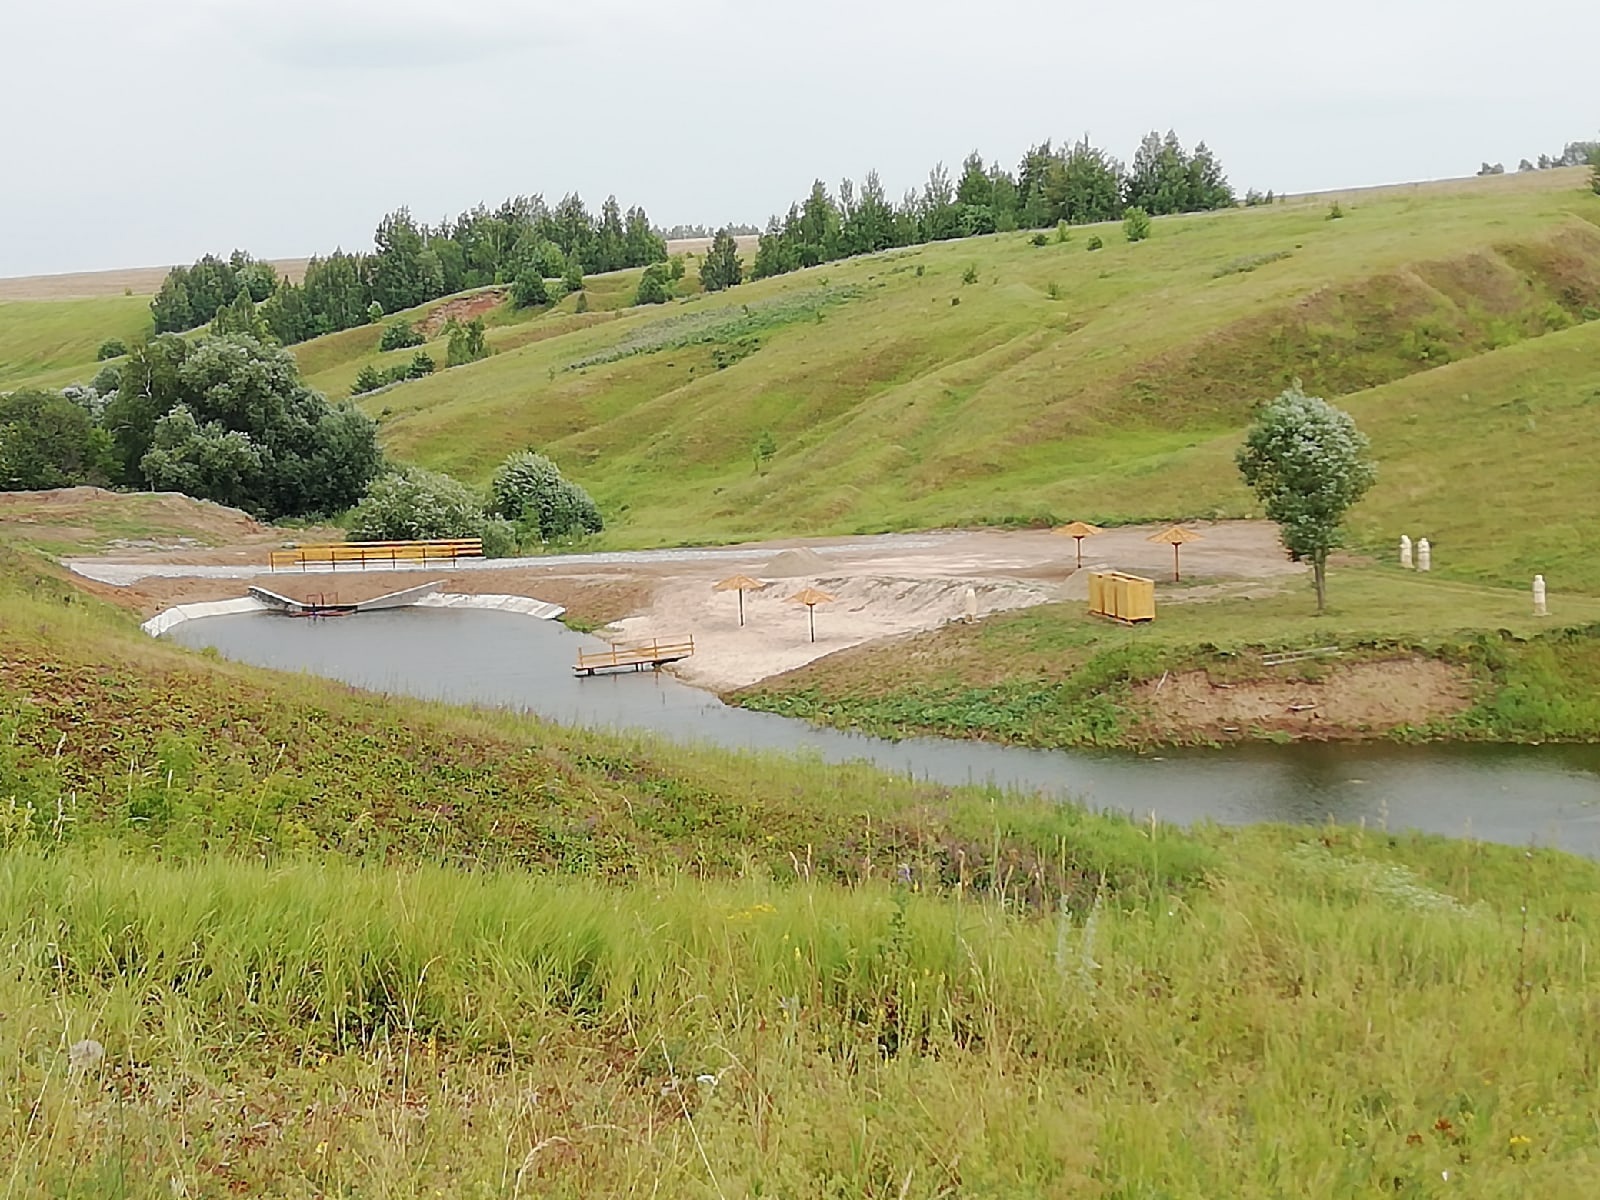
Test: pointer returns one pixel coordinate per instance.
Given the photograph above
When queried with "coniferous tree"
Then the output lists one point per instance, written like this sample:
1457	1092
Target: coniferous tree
1005	199
400	273
722	267
773	252
1208	185
610	241
818	227
975	187
170	307
941	219
643	245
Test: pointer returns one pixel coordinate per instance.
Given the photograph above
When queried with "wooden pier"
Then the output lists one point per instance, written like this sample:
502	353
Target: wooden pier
654	654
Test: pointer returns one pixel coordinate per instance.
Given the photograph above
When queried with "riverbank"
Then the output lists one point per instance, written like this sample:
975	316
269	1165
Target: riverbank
1398	656
1418	656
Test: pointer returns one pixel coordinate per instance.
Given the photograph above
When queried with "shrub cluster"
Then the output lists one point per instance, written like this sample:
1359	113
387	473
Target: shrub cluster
400	336
529	505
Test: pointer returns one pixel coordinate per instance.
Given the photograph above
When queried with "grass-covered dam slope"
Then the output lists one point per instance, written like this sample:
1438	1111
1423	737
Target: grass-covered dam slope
266	935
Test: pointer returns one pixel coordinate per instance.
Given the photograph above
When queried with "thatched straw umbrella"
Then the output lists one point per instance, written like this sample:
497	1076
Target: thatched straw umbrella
811	597
1175	536
1078	530
740	584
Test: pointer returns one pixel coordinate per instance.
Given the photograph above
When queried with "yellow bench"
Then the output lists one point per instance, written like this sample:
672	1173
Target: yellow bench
390	554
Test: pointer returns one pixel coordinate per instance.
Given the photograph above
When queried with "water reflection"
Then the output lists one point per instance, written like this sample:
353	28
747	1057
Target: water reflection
1546	795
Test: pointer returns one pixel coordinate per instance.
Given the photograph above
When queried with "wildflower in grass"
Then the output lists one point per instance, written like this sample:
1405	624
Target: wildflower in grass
85	1055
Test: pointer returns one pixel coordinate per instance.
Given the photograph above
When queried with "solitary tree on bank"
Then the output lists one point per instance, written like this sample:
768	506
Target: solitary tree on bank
1306	461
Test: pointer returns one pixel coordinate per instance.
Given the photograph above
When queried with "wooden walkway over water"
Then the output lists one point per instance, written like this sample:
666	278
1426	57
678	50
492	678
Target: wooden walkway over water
654	654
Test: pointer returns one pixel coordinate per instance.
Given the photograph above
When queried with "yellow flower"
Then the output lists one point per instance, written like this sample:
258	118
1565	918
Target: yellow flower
1518	1140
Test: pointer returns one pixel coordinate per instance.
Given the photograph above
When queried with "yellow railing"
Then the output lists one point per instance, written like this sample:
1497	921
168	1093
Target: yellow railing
364	554
653	653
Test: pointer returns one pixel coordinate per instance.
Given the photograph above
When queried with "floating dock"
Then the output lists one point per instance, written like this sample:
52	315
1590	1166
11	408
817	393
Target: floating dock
654	654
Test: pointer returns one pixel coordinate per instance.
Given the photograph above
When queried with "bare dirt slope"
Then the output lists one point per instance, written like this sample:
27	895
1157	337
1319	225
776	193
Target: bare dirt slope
1347	701
138	523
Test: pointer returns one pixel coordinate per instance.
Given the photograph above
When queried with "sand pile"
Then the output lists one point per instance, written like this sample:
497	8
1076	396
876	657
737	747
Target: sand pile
793	563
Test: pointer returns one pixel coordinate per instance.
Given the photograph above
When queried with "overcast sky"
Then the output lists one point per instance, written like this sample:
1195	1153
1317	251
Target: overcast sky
147	132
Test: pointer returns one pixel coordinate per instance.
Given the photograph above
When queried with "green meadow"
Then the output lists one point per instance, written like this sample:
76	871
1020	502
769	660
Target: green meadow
268	935
51	343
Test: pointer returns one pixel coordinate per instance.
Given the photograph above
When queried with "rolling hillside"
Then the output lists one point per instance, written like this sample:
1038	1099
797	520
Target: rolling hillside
993	379
900	396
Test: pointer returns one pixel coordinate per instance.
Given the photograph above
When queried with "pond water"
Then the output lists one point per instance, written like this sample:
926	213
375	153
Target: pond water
1521	795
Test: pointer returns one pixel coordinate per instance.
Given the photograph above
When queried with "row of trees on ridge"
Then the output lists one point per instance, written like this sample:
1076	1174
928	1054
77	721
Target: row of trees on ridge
1076	184
412	263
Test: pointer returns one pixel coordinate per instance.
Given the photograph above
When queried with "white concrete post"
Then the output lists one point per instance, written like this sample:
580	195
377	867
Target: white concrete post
1539	607
1424	555
1405	552
972	605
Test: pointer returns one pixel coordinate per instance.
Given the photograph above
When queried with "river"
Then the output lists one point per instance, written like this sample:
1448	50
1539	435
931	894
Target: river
1520	795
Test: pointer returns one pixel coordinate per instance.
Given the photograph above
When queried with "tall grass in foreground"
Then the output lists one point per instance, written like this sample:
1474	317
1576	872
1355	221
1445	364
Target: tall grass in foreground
1336	1025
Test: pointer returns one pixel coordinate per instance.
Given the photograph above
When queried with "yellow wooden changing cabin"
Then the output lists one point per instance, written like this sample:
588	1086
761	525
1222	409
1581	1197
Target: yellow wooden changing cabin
1126	598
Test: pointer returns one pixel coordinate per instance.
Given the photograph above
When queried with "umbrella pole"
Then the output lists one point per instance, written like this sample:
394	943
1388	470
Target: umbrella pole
811	611
1080	550
741	608
1175	577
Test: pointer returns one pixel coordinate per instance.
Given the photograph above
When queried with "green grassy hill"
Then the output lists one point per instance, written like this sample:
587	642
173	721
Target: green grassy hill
1102	384
1059	382
51	343
270	936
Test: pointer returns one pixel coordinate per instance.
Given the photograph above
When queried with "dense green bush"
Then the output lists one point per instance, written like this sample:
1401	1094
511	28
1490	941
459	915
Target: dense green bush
47	441
305	455
655	286
399	336
466	342
1136	224
107	379
413	503
370	378
530	490
111	348
529	290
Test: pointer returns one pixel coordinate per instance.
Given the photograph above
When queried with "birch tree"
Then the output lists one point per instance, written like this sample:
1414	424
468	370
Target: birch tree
1307	463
